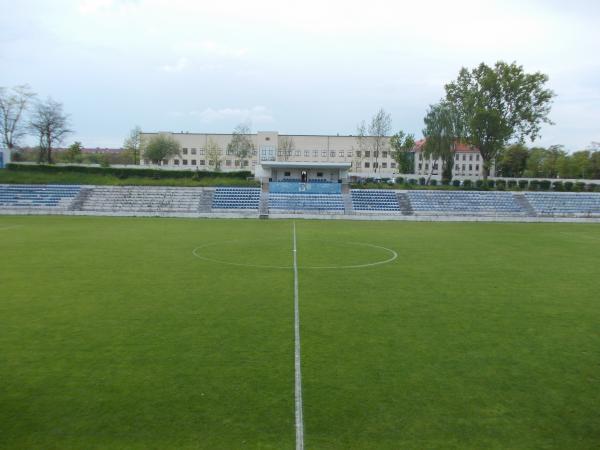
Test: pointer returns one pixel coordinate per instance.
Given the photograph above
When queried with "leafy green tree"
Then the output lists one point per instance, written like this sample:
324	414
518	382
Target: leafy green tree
402	145
73	153
442	131
499	104
133	144
241	145
512	161
161	147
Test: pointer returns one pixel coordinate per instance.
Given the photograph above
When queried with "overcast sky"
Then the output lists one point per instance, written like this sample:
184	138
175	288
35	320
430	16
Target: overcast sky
297	67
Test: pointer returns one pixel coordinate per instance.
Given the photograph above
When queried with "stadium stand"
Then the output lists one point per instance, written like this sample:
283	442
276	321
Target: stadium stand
372	200
462	203
53	197
142	199
296	202
564	203
236	198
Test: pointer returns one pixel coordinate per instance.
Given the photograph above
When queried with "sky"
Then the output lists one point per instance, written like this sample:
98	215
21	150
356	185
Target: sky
297	67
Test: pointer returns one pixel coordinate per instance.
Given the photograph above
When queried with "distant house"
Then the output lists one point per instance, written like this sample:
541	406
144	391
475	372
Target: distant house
467	162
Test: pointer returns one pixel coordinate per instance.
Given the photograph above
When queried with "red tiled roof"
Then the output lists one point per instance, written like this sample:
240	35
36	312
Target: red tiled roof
460	147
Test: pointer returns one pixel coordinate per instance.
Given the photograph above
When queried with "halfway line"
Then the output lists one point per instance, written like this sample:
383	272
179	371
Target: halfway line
298	373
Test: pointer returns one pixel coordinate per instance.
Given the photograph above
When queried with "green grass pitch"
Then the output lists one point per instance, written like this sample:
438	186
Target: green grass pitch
114	335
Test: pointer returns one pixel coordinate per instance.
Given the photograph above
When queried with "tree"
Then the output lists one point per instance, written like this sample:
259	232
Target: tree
286	146
402	145
379	128
241	145
499	104
50	125
13	106
213	154
161	147
442	132
512	161
133	144
73	153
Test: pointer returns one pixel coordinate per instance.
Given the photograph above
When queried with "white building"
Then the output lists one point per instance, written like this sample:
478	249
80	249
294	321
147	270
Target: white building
4	157
362	156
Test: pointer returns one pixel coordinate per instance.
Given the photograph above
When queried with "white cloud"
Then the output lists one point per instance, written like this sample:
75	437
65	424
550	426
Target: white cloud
181	64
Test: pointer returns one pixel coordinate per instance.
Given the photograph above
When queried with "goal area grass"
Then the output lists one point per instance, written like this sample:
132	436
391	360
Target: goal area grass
143	333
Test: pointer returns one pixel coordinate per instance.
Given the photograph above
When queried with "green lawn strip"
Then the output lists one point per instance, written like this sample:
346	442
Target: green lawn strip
25	177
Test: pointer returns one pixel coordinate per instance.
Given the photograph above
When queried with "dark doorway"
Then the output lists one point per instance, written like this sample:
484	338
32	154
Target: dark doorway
303	176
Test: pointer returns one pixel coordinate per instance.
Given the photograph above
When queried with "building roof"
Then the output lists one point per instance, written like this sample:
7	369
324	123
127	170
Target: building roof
461	147
304	165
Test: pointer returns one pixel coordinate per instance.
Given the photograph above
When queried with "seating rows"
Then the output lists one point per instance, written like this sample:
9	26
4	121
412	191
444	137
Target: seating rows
306	202
374	200
567	203
236	198
143	199
33	196
464	203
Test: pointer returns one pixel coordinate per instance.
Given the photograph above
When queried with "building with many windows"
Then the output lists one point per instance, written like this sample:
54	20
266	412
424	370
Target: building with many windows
365	156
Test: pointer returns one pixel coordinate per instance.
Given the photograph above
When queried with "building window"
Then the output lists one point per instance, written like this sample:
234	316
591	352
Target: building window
376	154
279	153
319	174
349	154
176	162
287	174
393	165
358	164
375	165
367	165
427	166
245	163
476	166
470	167
297	153
457	156
464	167
185	151
332	154
237	163
358	154
384	165
477	157
267	139
201	162
470	157
367	154
306	153
185	162
201	151
193	162
324	154
341	154
228	162
315	153
193	151
464	157
384	154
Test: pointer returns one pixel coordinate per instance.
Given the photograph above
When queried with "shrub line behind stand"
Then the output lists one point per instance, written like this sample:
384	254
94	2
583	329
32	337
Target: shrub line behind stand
480	185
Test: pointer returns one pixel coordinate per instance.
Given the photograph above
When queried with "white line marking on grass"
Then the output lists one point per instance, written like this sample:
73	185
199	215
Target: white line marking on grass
393	255
297	363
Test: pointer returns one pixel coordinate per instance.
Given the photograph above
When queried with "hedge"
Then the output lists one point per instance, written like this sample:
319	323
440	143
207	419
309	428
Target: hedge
127	172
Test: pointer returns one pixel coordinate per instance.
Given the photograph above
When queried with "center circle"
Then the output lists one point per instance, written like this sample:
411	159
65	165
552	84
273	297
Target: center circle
312	254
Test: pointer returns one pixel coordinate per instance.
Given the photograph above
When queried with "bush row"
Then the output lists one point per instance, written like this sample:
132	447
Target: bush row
122	173
501	185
